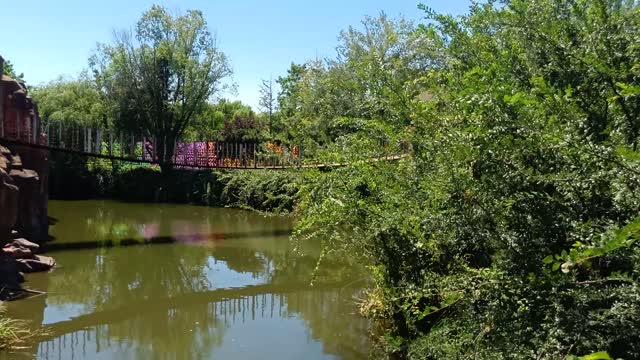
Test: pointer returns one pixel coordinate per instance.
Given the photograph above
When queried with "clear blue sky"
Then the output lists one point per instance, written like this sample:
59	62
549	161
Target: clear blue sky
47	38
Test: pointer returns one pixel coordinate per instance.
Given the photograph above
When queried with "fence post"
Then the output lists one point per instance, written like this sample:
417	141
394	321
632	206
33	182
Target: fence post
224	152
154	151
206	152
48	133
195	155
87	140
175	152
99	141
255	162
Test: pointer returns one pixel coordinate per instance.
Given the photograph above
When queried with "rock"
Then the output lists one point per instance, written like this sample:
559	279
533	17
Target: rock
5	163
35	264
9	273
17	252
29	219
16	162
24	243
9	196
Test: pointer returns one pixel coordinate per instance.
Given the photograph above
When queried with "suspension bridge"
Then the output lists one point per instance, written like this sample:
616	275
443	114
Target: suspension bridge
129	147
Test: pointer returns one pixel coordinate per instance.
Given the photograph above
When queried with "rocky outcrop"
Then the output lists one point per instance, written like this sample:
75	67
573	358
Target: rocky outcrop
33	181
23	195
22	211
8	196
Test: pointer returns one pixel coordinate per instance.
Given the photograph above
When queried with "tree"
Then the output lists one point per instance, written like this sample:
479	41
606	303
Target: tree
216	121
289	85
511	230
161	75
244	126
72	101
370	84
268	101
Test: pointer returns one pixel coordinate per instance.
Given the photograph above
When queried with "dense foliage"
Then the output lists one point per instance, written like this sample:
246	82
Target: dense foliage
72	102
161	75
74	178
511	230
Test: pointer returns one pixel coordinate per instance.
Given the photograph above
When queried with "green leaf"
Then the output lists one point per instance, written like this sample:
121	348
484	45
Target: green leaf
548	259
600	355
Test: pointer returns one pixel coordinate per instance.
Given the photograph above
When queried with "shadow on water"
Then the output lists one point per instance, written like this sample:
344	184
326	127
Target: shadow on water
138	308
159	240
224	284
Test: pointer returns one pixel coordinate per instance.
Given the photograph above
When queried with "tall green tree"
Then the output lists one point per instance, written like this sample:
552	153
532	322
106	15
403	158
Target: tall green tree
72	101
215	122
161	75
371	83
268	101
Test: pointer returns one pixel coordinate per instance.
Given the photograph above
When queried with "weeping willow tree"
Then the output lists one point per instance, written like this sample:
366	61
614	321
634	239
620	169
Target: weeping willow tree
160	75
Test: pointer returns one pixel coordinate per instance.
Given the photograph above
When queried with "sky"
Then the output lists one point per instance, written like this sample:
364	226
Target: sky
45	39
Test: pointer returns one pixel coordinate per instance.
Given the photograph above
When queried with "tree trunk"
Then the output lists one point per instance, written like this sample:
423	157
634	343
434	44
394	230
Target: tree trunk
165	152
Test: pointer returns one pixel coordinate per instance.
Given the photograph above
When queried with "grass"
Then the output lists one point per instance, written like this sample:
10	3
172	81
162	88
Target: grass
14	334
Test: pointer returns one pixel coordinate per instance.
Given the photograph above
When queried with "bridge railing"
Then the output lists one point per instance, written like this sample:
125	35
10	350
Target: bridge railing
139	148
116	145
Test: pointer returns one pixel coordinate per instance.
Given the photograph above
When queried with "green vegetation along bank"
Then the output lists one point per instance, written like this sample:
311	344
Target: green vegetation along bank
269	191
511	233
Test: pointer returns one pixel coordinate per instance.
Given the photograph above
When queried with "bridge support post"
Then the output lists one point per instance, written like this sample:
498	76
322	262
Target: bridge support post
206	152
224	152
99	141
88	141
175	152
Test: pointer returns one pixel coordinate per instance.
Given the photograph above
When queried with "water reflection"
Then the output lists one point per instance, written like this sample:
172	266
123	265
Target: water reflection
206	283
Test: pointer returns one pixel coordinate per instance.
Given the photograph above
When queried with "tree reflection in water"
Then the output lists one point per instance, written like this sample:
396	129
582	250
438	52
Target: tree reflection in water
179	300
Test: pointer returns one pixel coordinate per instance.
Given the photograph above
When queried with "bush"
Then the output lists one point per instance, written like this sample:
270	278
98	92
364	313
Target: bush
262	190
512	230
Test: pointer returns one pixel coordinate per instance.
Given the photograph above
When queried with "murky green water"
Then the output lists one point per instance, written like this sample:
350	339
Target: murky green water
148	281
